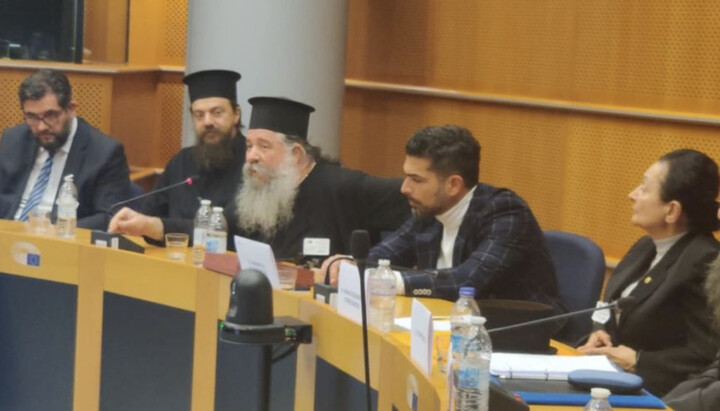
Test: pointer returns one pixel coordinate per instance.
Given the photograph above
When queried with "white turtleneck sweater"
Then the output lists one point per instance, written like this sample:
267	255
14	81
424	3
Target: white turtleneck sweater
450	220
661	248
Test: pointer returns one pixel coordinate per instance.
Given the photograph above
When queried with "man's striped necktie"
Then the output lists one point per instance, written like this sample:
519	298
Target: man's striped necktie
39	188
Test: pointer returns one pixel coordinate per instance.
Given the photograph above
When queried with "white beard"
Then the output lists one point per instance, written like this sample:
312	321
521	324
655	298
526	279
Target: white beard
267	207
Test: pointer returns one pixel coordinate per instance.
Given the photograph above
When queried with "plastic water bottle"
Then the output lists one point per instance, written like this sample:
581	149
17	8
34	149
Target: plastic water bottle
461	315
216	236
464	308
381	289
471	369
599	400
202	225
67	208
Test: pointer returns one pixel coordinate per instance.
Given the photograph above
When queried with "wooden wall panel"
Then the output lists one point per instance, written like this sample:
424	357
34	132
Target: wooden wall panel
157	32
10	112
657	55
606	158
134	102
491	65
174	37
93	93
170	94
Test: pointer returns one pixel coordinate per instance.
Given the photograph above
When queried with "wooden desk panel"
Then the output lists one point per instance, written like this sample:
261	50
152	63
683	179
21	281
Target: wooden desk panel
197	298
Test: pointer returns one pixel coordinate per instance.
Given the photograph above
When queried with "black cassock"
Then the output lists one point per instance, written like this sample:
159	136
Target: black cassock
332	202
177	206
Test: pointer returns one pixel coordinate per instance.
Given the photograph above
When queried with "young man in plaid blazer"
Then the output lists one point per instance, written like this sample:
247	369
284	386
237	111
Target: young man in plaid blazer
464	233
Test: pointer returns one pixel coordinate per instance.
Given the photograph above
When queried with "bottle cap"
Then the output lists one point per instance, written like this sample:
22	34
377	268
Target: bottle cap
384	262
69	178
599	392
205	202
477	320
467	291
218	209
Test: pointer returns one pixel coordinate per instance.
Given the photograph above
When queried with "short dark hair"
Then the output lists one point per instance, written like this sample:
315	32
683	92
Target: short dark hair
44	82
692	179
451	150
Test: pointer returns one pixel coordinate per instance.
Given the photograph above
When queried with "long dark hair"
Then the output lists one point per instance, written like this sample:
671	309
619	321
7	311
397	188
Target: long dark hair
692	180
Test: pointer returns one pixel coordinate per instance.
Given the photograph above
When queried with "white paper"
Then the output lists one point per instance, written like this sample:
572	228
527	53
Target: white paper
421	336
259	256
438	325
545	367
316	246
348	298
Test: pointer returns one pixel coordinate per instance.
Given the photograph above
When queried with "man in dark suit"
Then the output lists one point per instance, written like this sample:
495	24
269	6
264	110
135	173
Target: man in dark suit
464	233
53	143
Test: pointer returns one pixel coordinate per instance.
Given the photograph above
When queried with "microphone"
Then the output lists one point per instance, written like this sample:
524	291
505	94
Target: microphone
360	248
188	181
619	304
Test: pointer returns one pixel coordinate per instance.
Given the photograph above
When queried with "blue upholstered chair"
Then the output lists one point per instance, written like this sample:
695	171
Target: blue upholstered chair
580	270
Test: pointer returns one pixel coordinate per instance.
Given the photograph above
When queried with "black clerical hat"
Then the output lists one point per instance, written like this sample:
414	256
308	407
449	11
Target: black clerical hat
212	83
280	115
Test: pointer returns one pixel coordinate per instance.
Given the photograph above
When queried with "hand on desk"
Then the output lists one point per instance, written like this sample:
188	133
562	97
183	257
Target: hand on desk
601	343
334	269
128	221
599	338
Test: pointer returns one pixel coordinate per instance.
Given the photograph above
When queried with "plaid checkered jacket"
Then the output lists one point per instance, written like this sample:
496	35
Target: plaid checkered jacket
500	250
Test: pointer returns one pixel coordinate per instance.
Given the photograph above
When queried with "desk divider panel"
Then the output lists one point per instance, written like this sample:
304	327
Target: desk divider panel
37	336
147	356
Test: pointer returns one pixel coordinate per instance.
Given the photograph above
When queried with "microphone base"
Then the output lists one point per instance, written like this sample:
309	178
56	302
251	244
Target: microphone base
322	292
116	241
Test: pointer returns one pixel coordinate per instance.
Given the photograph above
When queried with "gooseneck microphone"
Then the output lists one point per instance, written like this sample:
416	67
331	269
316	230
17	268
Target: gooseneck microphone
188	181
360	248
620	304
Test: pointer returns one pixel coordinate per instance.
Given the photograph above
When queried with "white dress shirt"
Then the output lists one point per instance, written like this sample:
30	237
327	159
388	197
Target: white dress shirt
58	166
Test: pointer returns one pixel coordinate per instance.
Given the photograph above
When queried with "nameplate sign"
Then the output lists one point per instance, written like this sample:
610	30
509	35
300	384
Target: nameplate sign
259	256
348	297
421	336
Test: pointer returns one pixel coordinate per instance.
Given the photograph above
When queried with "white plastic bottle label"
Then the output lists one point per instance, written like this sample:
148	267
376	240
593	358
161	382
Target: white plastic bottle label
199	236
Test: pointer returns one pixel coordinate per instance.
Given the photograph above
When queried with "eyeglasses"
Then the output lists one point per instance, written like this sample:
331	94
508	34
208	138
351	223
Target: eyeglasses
50	117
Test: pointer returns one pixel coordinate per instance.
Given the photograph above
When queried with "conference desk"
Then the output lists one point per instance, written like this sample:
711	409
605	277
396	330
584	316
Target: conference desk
90	328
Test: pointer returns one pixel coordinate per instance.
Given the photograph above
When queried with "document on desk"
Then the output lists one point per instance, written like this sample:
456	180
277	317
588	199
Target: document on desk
259	256
544	367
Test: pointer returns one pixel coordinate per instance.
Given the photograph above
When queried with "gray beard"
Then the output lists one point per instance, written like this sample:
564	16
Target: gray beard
266	207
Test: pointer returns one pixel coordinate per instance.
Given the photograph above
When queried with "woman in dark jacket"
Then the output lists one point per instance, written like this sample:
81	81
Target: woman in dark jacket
665	335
